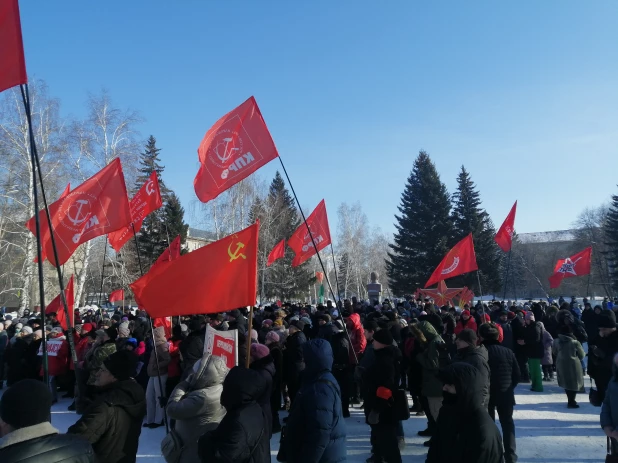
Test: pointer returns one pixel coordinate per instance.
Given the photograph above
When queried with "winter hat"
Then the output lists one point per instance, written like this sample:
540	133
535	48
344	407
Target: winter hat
267	322
125	319
8	317
530	316
112	333
489	332
486	318
298	324
38	334
133	342
123	330
254	335
26	330
511	315
466	312
468	336
272	337
7	323
196	324
184	328
122	364
607	319
26	403
57	329
259	351
87	327
278	322
383	337
18	327
306	321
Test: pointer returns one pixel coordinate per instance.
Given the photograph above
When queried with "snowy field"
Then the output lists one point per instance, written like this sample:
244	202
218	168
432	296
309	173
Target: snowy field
546	431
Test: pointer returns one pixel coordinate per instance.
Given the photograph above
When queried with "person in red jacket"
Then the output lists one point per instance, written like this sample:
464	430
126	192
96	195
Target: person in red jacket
486	319
466	322
357	346
57	359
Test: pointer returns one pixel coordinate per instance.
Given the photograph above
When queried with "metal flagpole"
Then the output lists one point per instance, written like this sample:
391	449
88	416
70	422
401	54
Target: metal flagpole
316	249
154	345
248	338
103	270
335	265
506	279
478	279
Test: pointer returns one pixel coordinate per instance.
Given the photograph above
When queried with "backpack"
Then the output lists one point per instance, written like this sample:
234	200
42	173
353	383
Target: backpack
172	447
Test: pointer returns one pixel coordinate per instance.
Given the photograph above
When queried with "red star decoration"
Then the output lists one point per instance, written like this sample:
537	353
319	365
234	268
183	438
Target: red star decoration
441	295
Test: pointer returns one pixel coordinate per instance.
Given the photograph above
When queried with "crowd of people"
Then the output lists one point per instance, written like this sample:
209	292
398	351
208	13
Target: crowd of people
456	367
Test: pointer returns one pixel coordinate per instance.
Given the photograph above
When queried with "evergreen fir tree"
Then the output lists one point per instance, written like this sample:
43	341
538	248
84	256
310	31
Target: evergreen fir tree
468	217
173	216
611	240
424	228
279	219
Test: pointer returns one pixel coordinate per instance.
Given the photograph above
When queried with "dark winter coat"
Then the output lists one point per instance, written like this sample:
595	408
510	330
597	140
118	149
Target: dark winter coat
341	347
239	323
20	361
591	323
507	334
293	363
192	350
241	436
266	368
277	355
609	409
504	373
383	372
433	356
565	317
533	338
569	354
327	331
316	431
41	443
113	422
601	353
465	433
478	358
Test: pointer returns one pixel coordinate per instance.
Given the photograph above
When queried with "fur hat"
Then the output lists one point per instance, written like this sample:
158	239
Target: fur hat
607	319
489	332
122	364
123	330
271	337
530	316
383	337
259	351
26	403
468	336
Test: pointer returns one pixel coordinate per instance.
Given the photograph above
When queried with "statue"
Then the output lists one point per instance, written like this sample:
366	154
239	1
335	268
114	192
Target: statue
374	289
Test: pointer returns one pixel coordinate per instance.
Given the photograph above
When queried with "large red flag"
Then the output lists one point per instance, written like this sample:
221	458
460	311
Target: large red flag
277	253
145	201
171	253
166	323
56	306
31	224
236	146
12	61
215	278
300	241
504	237
96	207
573	266
117	295
459	260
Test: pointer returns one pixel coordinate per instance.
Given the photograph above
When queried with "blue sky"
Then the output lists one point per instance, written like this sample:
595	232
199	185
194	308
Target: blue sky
523	94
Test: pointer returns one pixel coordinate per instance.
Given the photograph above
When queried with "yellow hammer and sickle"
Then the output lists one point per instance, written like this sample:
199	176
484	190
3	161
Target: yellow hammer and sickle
236	254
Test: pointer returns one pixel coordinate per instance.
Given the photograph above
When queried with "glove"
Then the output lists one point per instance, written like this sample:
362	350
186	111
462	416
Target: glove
374	417
163	401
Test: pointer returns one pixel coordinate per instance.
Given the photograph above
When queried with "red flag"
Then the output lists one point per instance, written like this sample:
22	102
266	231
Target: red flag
236	146
218	277
145	201
117	295
504	237
171	253
300	242
459	260
277	253
166	323
56	306
12	61
31	225
573	266
96	207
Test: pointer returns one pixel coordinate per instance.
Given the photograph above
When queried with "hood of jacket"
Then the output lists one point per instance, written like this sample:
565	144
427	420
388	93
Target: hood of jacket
241	387
209	371
318	356
355	321
128	395
159	335
428	330
566	338
468	383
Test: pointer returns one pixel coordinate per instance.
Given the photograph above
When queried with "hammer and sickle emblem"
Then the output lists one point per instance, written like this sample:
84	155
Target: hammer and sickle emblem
236	254
150	187
78	216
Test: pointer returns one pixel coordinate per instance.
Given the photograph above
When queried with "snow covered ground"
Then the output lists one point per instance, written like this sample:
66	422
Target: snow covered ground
546	431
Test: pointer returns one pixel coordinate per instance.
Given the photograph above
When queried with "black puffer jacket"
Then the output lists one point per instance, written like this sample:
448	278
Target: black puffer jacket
293	362
505	373
478	358
266	368
192	350
113	422
383	372
41	443
533	338
464	432
241	436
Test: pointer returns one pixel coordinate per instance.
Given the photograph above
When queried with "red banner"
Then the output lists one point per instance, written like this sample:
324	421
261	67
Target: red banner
504	237
166	323
222	344
277	253
12	61
145	201
218	277
117	295
236	146
573	266
300	241
459	260
57	307
170	254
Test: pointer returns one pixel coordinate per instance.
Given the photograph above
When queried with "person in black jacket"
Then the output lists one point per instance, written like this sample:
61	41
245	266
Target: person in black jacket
112	423
272	341
237	321
533	345
381	381
326	328
241	436
293	362
192	347
601	351
264	364
504	377
519	330
465	432
27	434
468	352
343	370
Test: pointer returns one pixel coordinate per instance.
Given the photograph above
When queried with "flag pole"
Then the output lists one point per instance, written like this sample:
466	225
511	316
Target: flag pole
335	265
248	338
506	279
154	345
478	279
316	250
103	270
39	252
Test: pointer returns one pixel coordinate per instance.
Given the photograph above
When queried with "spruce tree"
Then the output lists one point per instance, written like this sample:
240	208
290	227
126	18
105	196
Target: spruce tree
611	240
424	229
279	219
468	217
173	217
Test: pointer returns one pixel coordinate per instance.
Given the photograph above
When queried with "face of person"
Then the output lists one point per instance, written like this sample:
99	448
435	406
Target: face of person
461	344
293	329
605	332
378	345
466	317
368	335
103	377
322	322
503	318
450	388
